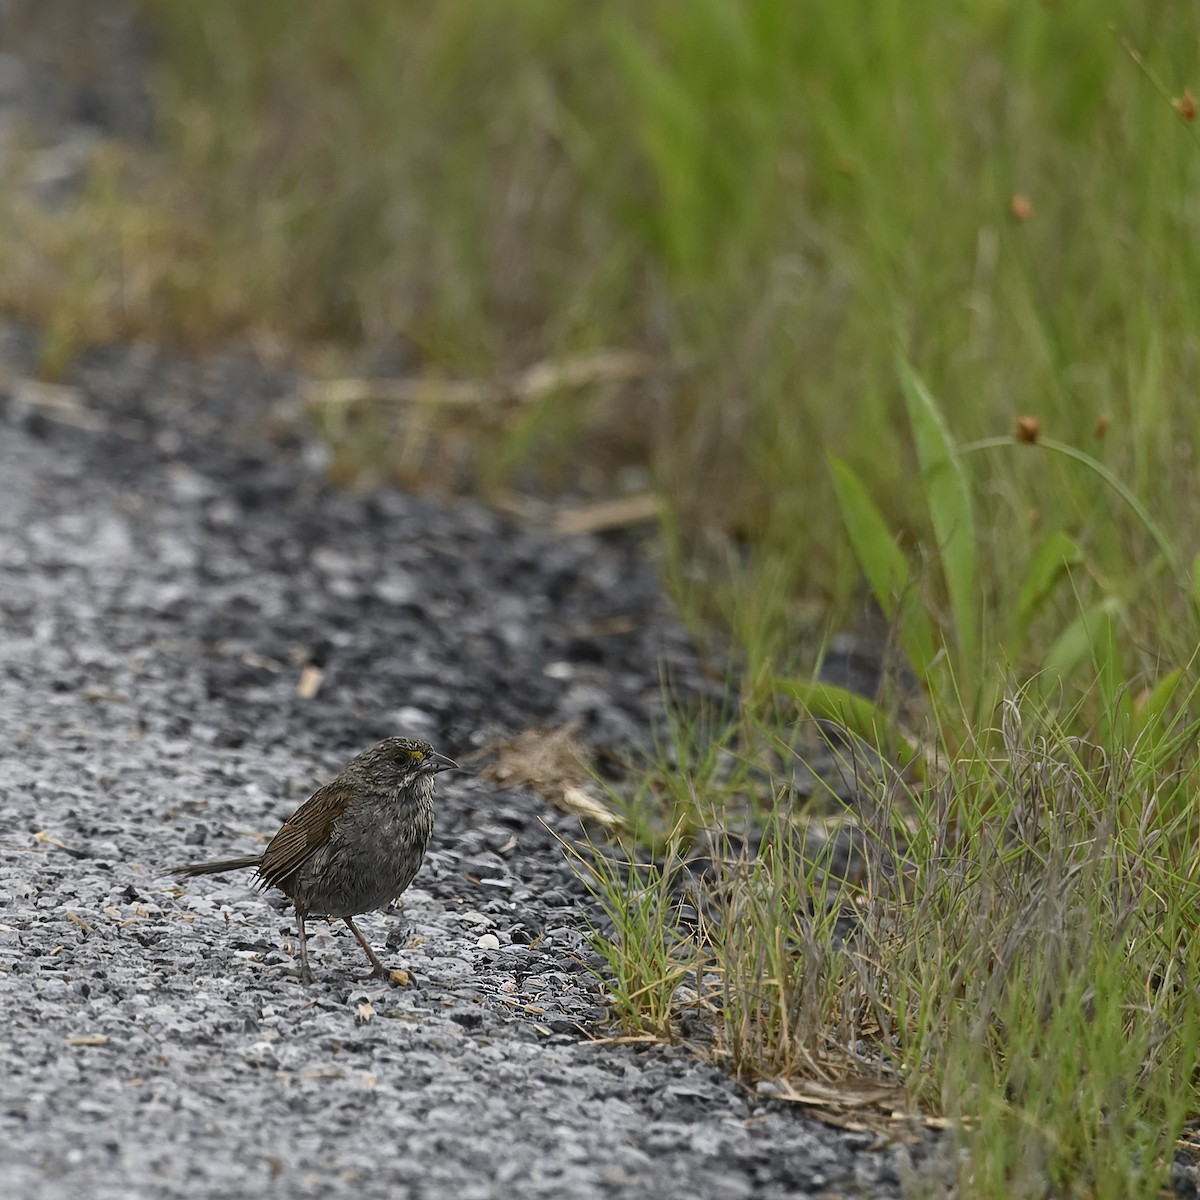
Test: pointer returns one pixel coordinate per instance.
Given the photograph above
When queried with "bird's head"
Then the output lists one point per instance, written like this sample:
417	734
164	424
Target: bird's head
399	761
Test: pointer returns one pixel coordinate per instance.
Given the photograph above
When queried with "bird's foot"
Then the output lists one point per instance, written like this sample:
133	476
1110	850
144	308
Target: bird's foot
397	977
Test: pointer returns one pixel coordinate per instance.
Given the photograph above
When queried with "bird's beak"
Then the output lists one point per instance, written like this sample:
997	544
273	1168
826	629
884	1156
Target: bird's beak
440	762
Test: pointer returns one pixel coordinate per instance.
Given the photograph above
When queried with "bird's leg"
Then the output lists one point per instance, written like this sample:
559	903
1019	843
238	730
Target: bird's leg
378	970
305	972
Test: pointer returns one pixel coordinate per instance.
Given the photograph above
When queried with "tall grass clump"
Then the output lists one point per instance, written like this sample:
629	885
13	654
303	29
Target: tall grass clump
1009	946
1039	974
994	918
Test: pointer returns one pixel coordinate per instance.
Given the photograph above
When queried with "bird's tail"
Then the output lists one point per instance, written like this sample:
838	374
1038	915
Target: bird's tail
214	868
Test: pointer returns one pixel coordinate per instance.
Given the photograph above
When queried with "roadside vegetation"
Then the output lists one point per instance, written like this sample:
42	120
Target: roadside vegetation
896	307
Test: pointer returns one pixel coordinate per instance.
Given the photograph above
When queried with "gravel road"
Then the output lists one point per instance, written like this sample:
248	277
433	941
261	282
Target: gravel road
171	562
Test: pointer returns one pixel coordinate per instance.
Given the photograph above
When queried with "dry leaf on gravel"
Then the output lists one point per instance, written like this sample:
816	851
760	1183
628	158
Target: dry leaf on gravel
552	763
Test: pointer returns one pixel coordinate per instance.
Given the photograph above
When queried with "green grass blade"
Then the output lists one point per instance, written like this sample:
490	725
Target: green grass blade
881	559
1084	640
1149	719
885	567
1116	713
854	713
948	498
1049	565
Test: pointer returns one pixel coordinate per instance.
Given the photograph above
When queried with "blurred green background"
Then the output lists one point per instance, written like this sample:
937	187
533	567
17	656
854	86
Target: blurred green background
767	199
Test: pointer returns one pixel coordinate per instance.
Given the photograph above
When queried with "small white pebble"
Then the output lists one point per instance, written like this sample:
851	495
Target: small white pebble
259	1054
489	941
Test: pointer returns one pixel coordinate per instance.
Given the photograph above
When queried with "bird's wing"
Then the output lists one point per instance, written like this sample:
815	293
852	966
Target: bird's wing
308	828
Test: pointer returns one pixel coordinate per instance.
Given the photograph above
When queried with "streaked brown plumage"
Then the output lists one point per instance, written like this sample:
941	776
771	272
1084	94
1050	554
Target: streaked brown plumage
355	844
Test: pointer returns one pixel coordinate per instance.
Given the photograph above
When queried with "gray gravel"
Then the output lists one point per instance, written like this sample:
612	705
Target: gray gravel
169	561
